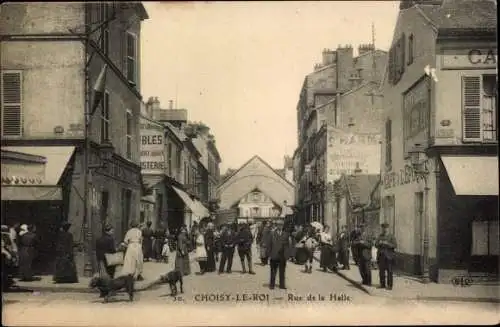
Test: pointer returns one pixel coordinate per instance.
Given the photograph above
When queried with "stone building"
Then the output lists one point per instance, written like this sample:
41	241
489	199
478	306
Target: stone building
48	72
339	115
439	152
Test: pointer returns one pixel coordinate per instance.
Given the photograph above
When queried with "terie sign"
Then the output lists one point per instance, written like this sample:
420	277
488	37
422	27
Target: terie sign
152	147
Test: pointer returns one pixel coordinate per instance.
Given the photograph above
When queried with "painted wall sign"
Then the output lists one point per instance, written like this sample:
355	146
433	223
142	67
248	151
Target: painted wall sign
404	176
469	58
346	150
152	147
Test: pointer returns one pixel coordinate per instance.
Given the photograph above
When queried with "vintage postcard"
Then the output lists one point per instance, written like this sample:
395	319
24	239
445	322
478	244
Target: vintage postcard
249	163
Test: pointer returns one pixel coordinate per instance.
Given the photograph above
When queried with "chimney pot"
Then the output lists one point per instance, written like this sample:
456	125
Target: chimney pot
170	104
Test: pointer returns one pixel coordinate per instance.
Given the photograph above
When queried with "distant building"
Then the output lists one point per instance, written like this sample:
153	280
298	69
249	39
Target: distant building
440	102
44	60
256	191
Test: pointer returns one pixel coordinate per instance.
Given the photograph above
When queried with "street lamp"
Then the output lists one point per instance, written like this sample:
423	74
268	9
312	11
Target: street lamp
419	159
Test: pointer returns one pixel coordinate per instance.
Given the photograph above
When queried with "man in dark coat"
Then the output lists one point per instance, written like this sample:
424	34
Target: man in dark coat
147	241
210	247
364	246
355	234
65	271
27	250
278	251
228	239
344	248
245	240
106	244
385	244
263	240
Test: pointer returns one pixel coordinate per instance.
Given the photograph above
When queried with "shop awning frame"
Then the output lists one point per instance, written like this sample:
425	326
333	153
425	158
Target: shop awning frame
31	193
472	175
194	207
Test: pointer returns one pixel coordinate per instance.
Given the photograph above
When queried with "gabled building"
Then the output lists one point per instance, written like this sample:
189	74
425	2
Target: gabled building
440	146
258	183
48	73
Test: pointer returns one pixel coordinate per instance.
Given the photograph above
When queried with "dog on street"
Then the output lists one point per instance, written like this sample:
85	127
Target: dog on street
109	287
172	278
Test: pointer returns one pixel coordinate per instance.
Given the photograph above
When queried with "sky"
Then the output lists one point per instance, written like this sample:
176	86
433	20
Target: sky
239	66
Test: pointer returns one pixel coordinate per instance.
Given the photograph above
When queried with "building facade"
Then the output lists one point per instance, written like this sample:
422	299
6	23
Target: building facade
441	105
48	70
339	115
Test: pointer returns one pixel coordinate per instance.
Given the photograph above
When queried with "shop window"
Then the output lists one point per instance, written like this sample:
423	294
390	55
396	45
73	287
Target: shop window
479	108
105	117
485	238
11	95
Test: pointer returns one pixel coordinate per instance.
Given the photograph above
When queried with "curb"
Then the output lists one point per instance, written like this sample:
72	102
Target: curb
86	290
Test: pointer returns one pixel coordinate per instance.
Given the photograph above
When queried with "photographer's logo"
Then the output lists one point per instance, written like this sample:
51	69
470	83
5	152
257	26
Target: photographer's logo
462	281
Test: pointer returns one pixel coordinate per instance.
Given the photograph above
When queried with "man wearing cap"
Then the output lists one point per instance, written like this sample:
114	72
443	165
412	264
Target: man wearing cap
385	244
278	251
364	247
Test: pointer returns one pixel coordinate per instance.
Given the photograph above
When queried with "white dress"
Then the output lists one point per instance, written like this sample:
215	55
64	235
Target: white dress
133	260
201	251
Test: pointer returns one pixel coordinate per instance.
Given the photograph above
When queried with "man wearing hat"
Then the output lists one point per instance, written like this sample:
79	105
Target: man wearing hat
344	248
364	247
385	244
278	251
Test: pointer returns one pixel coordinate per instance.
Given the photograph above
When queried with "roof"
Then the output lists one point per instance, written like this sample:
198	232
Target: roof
281	172
462	14
360	187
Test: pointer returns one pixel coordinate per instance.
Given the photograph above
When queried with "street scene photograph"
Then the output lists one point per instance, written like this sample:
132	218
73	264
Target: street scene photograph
230	163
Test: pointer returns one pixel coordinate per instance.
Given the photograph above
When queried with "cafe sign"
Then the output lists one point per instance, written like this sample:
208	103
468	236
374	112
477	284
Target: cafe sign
469	58
152	147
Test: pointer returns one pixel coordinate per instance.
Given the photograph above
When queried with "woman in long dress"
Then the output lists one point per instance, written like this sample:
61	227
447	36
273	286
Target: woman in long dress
182	253
201	251
133	260
27	244
65	271
210	247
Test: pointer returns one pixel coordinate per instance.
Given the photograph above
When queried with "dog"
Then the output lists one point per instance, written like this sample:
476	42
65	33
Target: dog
108	286
172	278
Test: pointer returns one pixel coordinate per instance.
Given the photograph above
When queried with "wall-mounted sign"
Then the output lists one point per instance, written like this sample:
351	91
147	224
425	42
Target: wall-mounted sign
152	147
346	151
469	58
445	133
404	176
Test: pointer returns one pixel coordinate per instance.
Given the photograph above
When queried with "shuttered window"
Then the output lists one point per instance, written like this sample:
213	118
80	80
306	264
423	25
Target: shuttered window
105	118
12	115
388	144
131	60
471	110
129	135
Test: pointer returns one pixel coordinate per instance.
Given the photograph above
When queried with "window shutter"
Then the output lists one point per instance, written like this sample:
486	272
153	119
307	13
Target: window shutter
11	104
388	143
471	108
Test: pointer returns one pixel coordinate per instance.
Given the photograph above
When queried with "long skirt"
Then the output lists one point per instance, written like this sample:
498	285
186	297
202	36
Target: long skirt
147	248
263	252
182	264
132	262
210	261
301	255
327	257
65	271
26	255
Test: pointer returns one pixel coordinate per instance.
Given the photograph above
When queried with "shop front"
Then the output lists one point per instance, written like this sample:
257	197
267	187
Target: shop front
194	210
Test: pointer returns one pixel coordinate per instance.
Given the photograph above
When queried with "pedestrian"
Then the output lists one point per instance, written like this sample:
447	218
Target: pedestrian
385	244
134	258
210	247
228	239
201	251
355	234
310	243
245	241
182	252
14	235
65	268
147	241
278	248
263	242
192	236
105	245
327	259
8	263
27	244
364	246
343	248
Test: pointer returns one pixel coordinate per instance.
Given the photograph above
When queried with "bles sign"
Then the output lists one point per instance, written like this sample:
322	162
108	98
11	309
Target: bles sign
152	158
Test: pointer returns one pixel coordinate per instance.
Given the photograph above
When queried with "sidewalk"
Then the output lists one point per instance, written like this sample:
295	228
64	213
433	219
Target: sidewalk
406	288
151	272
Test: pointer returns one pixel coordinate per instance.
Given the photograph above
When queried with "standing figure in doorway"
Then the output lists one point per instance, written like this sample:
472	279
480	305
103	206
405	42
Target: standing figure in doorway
385	244
27	244
147	241
182	253
65	260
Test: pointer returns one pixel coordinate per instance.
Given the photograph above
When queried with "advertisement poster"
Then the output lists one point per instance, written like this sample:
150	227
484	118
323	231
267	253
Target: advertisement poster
152	147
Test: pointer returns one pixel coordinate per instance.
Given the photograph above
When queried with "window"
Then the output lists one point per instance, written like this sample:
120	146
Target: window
256	197
479	108
130	125
169	158
179	159
411	50
105	117
105	15
11	98
396	64
131	58
388	144
416	110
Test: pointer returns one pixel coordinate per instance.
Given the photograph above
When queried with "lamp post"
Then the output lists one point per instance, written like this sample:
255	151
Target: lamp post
419	162
337	193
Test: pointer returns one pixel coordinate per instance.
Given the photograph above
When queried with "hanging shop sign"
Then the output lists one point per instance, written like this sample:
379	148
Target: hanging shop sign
152	147
347	151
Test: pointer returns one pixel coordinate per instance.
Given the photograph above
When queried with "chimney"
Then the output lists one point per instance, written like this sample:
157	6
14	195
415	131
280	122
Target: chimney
155	104
170	104
357	170
328	57
364	48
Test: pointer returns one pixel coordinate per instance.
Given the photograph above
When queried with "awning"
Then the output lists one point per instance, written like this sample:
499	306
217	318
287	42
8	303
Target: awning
472	175
201	210
188	202
57	159
31	193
